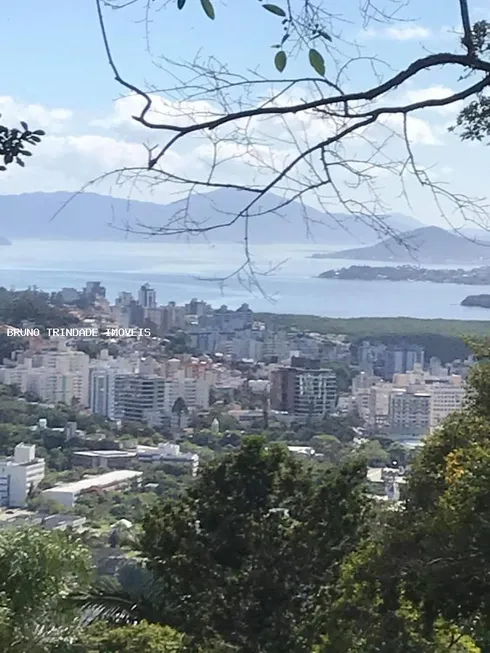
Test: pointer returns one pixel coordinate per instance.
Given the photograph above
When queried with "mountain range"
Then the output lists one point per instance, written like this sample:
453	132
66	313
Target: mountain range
425	245
90	216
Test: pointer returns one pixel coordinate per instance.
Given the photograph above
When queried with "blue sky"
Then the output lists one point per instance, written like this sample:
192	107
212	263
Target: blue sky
56	75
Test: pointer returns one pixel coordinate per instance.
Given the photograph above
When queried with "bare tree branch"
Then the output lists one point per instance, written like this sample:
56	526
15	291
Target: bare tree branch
306	138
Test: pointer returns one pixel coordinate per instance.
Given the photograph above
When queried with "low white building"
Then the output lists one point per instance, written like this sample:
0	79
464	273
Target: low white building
168	452
68	493
19	475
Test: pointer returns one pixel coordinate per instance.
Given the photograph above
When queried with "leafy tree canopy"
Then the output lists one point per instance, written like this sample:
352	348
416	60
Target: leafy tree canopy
250	553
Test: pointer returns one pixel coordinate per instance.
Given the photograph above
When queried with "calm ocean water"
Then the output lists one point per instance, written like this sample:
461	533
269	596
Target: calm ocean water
175	271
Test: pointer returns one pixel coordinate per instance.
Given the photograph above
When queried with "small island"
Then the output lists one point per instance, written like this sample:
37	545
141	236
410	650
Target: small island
4	241
475	277
481	301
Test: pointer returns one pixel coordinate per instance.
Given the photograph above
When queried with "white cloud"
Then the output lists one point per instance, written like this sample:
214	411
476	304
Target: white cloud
418	131
433	93
71	154
161	111
400	33
79	148
66	162
35	115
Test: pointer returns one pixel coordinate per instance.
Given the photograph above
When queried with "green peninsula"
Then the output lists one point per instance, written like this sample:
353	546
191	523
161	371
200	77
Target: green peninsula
475	277
480	301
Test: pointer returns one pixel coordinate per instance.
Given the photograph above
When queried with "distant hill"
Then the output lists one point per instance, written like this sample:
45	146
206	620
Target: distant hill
425	245
4	241
90	216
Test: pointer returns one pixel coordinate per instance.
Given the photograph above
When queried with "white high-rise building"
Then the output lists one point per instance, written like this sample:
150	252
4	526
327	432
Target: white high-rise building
195	393
101	391
16	375
20	474
303	392
102	376
147	296
139	398
409	413
54	387
445	399
58	375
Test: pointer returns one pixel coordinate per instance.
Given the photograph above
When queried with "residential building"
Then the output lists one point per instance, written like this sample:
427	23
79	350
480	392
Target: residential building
69	295
124	299
197	308
445	399
94	289
20	475
226	319
102	392
401	358
54	375
409	413
16	374
304	393
156	317
54	387
275	345
102	376
373	397
139	398
147	296
379	405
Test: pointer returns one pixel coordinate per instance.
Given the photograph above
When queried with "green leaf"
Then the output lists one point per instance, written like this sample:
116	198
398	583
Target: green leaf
317	62
180	4
208	8
280	60
274	9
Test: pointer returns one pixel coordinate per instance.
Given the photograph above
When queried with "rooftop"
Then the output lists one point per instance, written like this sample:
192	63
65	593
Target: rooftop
101	480
106	453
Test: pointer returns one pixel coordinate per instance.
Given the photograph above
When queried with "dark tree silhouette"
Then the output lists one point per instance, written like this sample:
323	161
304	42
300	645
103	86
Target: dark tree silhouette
14	143
179	408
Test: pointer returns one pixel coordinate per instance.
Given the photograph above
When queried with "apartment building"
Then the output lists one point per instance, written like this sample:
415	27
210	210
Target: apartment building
409	413
445	399
54	386
303	393
19	475
373	397
147	297
102	392
401	359
54	375
139	398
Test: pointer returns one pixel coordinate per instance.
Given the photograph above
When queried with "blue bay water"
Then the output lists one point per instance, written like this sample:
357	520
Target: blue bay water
176	271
